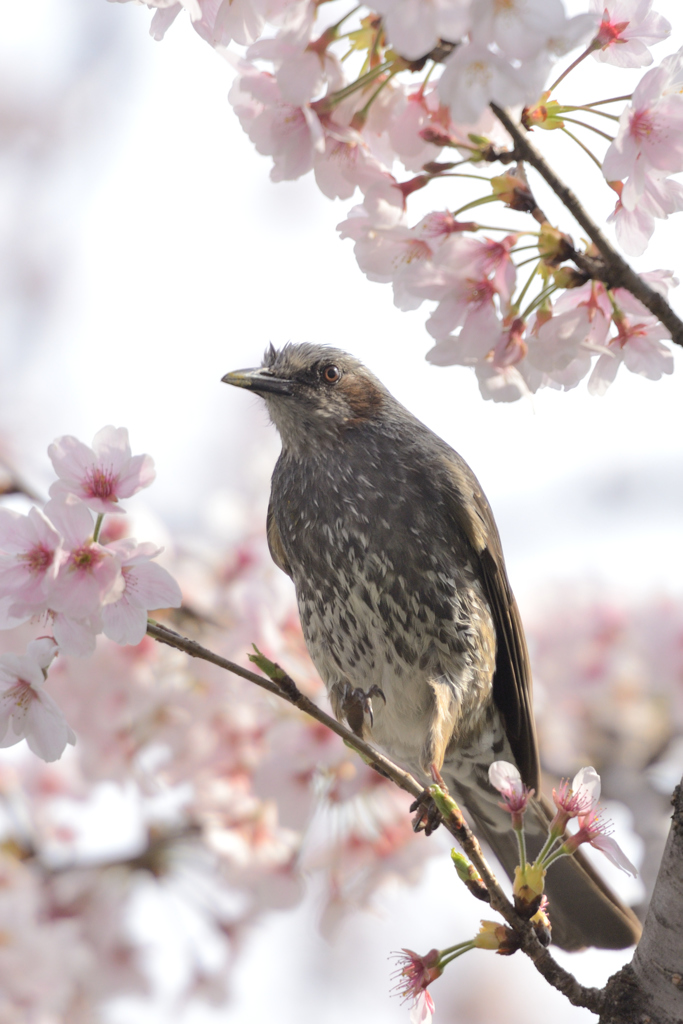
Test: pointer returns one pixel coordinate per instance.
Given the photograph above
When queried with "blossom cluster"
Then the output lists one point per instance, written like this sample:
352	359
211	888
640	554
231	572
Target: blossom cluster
235	798
359	96
56	567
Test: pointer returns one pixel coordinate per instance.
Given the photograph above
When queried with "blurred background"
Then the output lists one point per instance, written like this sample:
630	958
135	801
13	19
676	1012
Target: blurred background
144	252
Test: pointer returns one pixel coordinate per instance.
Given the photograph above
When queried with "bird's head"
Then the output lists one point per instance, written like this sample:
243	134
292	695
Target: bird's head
313	393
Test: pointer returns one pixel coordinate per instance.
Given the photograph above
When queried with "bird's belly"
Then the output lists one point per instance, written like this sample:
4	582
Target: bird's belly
433	668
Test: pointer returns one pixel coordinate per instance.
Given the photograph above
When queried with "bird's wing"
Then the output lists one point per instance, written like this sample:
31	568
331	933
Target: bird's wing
277	551
512	679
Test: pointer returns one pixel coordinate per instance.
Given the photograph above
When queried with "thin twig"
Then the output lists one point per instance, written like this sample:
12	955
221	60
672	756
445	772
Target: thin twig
282	685
611	268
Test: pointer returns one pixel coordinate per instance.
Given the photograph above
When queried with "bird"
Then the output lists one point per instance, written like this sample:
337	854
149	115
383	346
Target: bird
406	608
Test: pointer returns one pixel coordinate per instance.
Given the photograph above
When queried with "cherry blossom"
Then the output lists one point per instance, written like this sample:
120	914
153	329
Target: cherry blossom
102	475
30	549
414	28
638	344
146	586
505	777
291	134
345	163
523	28
579	798
595	830
89	573
627	29
562	346
474	76
303	68
650	136
26	710
634	224
414	973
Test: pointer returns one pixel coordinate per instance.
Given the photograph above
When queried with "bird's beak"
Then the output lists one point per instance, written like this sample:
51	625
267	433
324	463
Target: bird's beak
261	380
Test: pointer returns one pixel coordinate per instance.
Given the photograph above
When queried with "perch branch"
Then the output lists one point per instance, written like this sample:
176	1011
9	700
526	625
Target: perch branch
279	683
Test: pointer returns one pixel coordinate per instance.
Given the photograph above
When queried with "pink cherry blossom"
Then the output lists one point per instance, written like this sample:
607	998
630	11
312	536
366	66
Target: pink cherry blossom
100	476
412	114
505	777
147	586
303	67
523	28
634	215
579	798
291	134
413	974
26	710
345	163
627	29
474	76
650	136
638	344
578	327
595	830
414	28
219	22
29	559
89	574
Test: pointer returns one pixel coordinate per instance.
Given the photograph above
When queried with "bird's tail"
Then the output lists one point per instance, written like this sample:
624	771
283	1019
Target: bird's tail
583	910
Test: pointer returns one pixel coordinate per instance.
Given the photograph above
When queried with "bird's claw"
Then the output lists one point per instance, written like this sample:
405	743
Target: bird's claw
357	703
427	815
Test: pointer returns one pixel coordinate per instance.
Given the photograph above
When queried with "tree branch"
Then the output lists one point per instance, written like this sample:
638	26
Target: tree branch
612	268
282	685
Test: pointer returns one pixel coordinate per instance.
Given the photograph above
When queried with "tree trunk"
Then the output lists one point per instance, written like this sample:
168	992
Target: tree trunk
649	990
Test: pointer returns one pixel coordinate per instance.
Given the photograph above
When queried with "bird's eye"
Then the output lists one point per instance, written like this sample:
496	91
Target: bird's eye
331	374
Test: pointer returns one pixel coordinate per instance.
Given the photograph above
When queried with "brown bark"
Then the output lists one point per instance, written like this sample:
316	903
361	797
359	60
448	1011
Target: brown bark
649	990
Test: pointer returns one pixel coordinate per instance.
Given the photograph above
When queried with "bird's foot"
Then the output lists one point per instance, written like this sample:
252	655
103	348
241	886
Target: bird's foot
356	703
427	815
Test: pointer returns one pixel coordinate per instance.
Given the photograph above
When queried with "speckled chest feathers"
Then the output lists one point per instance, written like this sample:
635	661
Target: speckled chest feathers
388	593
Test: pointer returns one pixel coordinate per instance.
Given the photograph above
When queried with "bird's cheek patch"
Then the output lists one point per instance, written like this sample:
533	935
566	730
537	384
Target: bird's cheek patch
362	397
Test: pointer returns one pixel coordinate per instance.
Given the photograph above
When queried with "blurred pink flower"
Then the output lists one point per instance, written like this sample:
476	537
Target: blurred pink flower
414	28
26	710
100	476
474	76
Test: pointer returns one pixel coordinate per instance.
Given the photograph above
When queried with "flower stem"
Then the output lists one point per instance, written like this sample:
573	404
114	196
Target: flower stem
521	842
546	848
341	94
541	297
98	527
589	49
599	103
590	127
525	289
600	113
475	202
362	114
456	951
583	147
510	231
